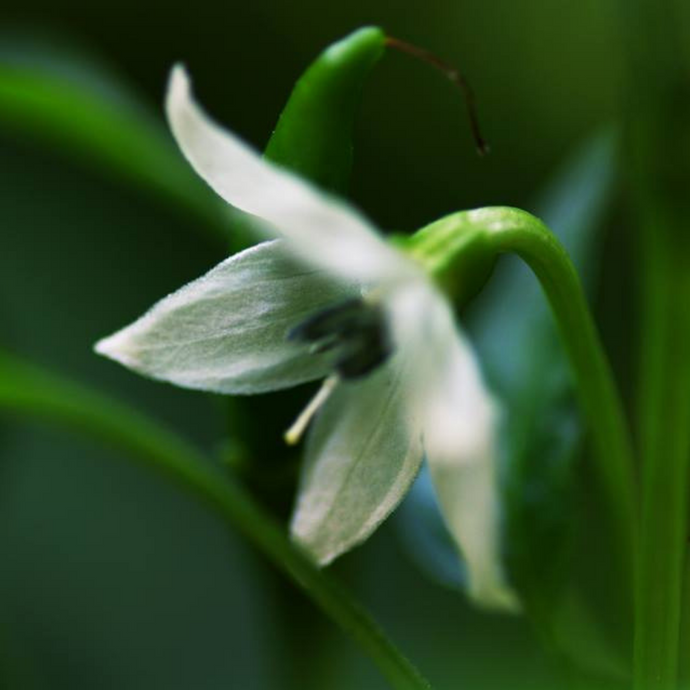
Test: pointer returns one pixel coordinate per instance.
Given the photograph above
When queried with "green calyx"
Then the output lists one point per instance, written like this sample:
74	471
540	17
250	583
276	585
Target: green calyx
457	254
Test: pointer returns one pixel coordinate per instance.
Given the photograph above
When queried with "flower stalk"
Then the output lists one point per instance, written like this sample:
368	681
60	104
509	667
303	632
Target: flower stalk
463	246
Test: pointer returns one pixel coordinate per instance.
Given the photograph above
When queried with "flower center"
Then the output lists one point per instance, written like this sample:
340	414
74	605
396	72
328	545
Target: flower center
357	330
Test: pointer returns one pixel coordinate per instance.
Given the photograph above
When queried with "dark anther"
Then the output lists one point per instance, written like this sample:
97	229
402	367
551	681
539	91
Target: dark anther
355	330
331	323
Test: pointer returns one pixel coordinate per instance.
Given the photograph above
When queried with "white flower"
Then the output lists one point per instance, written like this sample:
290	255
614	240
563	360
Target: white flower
331	300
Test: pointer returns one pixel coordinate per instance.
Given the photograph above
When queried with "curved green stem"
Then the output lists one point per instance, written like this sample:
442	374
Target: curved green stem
524	235
30	392
459	245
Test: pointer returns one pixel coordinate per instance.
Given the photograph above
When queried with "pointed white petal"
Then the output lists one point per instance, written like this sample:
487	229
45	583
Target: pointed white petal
460	418
324	230
468	500
227	331
362	454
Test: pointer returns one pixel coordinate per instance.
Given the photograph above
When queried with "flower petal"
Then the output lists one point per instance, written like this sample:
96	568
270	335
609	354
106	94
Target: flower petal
363	453
227	331
325	231
460	418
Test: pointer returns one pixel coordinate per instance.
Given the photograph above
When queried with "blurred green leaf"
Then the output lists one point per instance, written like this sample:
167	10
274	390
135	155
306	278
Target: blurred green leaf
68	100
99	556
28	391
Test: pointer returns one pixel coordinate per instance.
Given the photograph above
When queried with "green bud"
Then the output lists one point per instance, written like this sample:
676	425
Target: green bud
313	136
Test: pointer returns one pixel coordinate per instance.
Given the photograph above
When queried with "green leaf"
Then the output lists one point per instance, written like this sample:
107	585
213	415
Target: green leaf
66	99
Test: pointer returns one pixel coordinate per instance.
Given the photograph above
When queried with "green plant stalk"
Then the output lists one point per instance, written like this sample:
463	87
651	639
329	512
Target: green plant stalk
459	250
665	448
657	150
27	391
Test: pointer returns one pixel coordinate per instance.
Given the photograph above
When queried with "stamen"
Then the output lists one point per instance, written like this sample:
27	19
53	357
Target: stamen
296	431
356	332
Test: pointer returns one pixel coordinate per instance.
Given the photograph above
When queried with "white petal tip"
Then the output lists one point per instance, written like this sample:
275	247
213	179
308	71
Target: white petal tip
178	82
179	88
505	602
102	348
498	597
113	347
316	552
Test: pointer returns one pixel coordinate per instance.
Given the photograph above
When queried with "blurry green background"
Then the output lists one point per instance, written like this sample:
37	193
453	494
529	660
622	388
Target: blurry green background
109	577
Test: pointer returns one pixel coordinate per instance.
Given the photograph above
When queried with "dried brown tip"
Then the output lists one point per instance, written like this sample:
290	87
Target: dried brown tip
455	76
